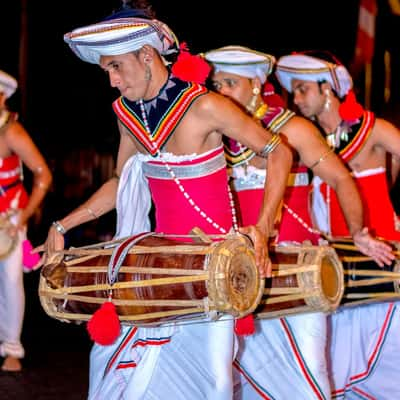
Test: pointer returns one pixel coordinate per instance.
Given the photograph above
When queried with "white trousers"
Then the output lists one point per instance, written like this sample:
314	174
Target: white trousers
285	359
12	302
192	361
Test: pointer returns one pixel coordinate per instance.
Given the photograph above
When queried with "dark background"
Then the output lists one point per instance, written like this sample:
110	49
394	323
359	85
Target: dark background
65	104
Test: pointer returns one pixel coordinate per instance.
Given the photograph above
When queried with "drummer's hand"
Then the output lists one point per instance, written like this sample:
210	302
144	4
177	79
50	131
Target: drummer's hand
53	244
260	242
374	248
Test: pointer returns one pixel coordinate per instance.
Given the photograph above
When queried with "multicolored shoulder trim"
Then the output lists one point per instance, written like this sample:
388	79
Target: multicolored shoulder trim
358	136
273	119
163	113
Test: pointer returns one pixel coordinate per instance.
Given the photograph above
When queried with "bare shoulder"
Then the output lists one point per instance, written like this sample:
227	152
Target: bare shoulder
299	129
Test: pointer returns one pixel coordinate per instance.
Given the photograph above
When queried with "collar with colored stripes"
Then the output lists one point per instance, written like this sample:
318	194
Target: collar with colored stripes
164	113
357	137
273	120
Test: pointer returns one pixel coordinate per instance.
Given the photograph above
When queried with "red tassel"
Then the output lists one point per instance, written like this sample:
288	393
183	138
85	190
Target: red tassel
271	98
190	68
350	110
245	326
104	326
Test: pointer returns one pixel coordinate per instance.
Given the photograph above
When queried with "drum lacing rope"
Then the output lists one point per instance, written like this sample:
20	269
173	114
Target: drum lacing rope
182	189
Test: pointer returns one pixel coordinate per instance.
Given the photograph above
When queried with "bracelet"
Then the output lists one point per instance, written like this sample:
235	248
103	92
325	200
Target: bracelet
59	228
270	146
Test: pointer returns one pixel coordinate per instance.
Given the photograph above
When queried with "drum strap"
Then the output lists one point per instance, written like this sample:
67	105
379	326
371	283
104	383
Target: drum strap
119	254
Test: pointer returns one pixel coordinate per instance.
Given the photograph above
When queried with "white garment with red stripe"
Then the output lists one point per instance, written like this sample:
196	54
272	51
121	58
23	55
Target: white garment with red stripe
365	352
284	359
179	362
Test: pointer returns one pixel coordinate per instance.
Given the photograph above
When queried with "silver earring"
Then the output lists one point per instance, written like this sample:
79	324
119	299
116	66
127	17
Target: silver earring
147	74
328	100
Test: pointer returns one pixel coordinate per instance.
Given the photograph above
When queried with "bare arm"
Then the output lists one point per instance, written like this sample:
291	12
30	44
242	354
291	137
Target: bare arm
101	202
315	153
19	141
233	122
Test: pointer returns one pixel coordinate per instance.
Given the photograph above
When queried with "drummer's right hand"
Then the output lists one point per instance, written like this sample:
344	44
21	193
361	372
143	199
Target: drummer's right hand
53	244
378	250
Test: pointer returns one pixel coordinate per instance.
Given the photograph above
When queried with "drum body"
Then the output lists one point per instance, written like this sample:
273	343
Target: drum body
305	279
160	280
365	281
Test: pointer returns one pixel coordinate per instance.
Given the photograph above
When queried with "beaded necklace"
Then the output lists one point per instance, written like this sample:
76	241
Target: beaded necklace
181	187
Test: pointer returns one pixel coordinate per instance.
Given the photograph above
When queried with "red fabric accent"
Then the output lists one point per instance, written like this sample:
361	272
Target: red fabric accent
104	326
296	197
9	164
350	110
245	326
190	68
378	209
366	33
271	98
174	213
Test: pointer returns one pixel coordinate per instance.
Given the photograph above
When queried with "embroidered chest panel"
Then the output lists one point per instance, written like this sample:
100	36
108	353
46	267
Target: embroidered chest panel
162	114
356	138
274	118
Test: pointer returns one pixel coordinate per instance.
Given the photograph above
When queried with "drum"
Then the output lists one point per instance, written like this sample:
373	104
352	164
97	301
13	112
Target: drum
304	279
365	281
153	278
7	242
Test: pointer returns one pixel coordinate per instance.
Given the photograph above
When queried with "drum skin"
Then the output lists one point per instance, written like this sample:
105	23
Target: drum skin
232	285
312	281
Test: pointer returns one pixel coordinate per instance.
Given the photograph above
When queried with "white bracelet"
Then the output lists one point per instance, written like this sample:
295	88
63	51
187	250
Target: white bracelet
59	228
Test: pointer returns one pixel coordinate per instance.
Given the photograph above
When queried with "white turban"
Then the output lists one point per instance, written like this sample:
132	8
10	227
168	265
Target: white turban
120	36
8	85
241	61
308	68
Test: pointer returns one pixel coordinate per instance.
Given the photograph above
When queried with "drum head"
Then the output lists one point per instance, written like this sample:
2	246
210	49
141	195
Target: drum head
234	285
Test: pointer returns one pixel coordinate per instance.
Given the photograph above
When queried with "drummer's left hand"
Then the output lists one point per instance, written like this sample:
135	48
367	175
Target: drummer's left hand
378	250
260	242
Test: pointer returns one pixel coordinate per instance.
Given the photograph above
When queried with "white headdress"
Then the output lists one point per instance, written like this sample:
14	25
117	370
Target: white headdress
308	68
241	61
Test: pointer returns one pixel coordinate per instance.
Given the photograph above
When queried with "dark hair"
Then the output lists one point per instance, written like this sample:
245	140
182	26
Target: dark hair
322	54
128	9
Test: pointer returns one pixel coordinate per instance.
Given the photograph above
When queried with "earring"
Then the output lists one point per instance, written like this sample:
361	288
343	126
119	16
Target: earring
328	100
147	74
253	101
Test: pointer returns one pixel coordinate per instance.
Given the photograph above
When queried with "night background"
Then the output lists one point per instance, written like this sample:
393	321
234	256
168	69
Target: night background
65	104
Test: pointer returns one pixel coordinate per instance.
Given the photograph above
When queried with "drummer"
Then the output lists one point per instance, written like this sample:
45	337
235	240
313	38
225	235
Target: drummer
16	147
365	347
240	73
171	151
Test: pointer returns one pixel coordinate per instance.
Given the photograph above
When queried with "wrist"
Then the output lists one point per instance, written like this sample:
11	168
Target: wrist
59	227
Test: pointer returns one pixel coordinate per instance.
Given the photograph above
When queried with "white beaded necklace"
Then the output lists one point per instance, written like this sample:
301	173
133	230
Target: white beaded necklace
182	189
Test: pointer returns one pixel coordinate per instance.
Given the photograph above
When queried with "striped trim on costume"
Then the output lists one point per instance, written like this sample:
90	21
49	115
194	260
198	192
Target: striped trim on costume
372	361
171	111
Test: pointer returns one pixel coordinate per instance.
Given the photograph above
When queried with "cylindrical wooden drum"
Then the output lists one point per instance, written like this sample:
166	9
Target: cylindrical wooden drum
153	279
304	279
365	281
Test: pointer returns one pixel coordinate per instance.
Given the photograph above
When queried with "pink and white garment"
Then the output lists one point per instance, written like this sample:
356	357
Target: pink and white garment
13	198
173	361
